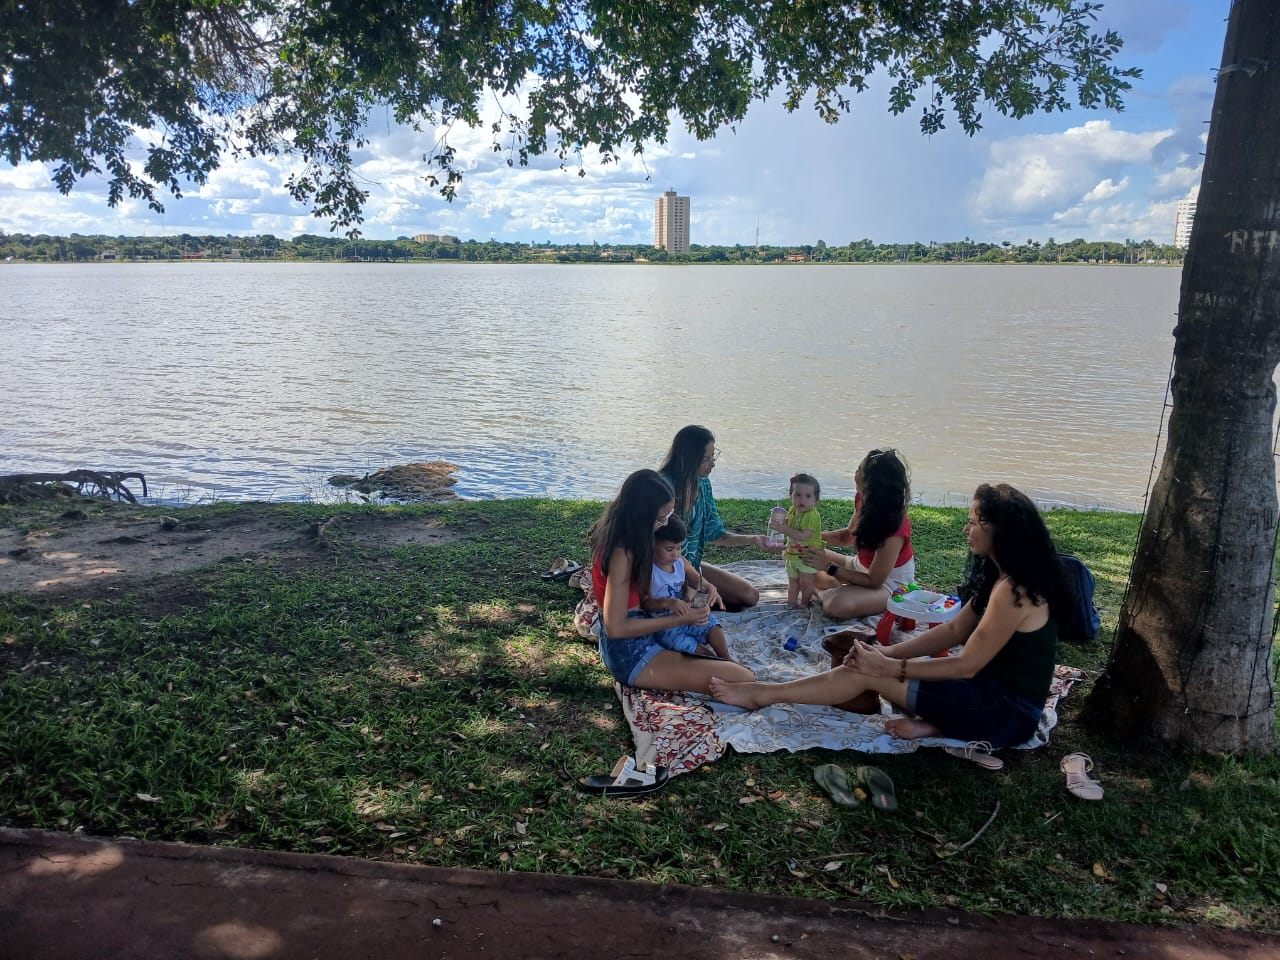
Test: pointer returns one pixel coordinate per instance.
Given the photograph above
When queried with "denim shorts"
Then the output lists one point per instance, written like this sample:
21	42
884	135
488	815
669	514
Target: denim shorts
981	708
685	638
627	657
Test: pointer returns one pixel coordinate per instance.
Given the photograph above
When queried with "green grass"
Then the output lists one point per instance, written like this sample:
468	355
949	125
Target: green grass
431	704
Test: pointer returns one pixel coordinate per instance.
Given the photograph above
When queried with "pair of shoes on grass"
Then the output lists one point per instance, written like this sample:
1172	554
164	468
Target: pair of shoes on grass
866	782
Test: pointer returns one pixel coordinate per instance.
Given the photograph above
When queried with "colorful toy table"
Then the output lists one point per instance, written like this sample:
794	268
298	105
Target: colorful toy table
918	605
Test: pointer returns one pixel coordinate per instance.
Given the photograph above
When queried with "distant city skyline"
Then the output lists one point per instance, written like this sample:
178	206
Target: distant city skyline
1100	175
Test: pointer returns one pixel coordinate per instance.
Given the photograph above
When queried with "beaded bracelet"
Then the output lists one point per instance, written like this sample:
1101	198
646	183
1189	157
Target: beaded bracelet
902	673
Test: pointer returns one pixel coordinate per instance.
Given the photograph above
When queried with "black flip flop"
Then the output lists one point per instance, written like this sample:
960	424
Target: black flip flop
562	569
602	784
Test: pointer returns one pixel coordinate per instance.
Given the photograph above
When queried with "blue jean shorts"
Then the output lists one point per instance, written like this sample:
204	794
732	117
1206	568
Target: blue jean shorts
686	637
980	708
627	657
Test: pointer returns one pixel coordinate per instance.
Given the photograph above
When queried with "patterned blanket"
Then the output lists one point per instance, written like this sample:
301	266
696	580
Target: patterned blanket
682	731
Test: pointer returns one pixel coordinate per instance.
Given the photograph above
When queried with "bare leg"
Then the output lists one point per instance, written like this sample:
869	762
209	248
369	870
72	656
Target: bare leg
822	581
793	591
834	686
848	601
737	593
806	588
717	642
674	671
910	728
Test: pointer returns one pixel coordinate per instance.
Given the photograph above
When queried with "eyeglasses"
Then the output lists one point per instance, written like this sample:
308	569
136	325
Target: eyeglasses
715	455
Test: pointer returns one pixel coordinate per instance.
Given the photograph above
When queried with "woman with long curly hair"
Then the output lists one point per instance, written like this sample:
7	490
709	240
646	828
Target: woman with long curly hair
860	584
993	691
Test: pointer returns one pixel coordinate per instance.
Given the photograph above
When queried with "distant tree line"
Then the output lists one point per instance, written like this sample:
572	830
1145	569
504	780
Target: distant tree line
79	248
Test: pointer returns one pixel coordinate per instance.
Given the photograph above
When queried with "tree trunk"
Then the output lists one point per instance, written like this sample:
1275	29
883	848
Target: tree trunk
1192	658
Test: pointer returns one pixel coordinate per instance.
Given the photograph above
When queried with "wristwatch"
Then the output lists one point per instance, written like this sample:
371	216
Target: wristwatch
832	568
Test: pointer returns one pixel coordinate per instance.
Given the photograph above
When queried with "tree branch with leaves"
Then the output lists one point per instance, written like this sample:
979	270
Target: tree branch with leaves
90	86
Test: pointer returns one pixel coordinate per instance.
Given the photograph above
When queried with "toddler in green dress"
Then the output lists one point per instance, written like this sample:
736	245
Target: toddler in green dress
802	527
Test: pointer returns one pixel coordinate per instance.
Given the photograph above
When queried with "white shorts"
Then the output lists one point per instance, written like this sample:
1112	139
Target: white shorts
898	576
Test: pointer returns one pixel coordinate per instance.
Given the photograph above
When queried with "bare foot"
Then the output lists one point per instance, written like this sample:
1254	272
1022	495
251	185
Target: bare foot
910	728
736	694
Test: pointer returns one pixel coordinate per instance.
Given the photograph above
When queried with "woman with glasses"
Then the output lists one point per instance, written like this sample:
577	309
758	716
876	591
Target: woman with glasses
993	691
687	468
621	577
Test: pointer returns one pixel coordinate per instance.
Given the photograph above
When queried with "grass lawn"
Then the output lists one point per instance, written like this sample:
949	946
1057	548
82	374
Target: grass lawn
430	703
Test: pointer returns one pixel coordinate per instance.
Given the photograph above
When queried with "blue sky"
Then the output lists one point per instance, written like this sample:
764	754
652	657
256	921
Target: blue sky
1100	175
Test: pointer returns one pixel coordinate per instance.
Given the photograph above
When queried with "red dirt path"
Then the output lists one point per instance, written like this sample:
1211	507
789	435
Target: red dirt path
64	896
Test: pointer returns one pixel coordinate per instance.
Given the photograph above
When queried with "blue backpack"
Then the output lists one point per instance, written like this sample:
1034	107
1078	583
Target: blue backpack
1082	622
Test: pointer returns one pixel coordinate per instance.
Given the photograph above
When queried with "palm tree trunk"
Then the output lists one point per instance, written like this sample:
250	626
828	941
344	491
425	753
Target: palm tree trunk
1192	658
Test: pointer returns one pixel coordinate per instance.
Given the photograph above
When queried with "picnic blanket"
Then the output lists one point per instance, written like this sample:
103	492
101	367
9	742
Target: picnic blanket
682	731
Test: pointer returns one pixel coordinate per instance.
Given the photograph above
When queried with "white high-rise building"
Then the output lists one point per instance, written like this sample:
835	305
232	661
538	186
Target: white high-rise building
671	223
1182	223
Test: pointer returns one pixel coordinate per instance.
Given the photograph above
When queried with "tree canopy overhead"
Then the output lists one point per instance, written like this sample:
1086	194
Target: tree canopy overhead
89	85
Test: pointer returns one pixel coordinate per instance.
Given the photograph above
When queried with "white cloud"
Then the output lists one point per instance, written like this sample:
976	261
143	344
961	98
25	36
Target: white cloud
28	176
1033	175
1133	220
1106	189
1178	180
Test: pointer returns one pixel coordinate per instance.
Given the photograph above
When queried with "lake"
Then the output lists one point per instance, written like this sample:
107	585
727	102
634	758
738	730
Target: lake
259	380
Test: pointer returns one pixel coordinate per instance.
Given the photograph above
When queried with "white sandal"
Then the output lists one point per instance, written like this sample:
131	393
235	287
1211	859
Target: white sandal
979	752
1077	766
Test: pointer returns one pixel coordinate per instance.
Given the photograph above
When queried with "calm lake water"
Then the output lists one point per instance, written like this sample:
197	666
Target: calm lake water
258	381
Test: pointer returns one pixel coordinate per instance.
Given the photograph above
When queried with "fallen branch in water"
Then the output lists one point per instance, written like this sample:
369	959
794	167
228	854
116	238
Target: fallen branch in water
24	487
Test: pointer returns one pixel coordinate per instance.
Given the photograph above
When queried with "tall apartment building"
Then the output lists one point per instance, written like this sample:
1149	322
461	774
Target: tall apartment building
1182	223
671	223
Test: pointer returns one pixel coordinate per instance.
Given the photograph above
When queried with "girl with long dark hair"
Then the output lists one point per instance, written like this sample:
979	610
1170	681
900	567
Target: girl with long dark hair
621	576
860	584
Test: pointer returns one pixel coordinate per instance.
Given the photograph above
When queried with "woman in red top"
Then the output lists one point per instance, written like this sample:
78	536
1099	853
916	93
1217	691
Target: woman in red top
860	585
621	575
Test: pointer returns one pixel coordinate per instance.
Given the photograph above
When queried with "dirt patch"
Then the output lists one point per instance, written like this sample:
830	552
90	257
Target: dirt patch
76	896
82	554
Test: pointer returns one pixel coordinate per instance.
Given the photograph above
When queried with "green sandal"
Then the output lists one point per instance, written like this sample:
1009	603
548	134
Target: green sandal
835	781
879	786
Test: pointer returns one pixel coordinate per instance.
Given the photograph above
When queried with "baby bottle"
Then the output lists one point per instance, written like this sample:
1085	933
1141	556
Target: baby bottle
776	538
